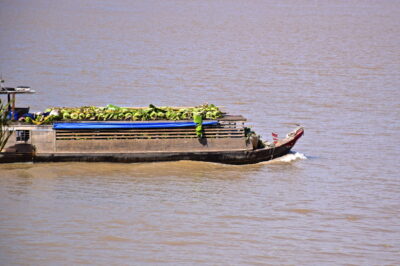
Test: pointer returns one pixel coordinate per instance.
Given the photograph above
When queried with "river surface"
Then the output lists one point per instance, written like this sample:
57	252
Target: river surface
333	66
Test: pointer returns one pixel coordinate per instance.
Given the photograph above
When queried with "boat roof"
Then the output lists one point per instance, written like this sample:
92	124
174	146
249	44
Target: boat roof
17	90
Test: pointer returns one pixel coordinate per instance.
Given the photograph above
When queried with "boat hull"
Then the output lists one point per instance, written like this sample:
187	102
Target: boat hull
242	156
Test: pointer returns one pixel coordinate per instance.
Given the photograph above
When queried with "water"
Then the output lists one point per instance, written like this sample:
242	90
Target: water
331	66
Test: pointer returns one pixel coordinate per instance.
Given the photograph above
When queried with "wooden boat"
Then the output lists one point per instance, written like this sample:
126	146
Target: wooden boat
224	140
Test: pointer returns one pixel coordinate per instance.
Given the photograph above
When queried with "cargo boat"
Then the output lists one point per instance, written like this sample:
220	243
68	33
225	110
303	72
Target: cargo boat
224	140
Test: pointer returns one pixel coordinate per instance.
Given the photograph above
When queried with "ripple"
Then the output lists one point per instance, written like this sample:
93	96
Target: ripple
300	211
114	238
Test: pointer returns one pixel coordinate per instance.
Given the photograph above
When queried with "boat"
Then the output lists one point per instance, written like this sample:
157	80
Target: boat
225	139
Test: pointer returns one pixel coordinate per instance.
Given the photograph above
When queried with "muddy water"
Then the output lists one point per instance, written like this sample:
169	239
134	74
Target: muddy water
332	66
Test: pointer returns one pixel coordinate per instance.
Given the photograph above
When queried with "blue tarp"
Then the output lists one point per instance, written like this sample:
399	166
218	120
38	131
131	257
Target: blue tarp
100	125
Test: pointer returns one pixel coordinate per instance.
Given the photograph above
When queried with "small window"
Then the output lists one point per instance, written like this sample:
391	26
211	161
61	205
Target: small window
22	135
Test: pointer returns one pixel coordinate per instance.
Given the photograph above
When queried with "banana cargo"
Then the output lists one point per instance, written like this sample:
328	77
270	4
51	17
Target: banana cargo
132	134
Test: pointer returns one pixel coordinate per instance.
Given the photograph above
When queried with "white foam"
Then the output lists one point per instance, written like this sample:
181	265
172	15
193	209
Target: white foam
291	157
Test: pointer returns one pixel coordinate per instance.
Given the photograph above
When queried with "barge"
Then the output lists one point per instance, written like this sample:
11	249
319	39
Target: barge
222	140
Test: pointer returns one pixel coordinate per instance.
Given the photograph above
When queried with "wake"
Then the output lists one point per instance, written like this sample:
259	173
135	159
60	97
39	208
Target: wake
290	157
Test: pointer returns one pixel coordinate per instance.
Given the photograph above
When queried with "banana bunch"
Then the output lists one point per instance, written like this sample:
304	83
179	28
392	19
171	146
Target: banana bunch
112	112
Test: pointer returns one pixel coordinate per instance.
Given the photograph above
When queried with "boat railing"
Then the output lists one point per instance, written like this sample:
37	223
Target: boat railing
220	131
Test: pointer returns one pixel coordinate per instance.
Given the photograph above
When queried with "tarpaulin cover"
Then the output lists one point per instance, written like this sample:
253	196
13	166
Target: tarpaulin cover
103	125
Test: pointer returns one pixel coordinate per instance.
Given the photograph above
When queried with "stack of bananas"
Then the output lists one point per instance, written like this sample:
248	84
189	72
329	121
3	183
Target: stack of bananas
112	112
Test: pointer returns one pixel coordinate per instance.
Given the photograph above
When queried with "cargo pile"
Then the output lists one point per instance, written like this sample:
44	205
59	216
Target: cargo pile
113	113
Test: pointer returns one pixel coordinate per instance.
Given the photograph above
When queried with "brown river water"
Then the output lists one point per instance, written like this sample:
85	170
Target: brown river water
332	66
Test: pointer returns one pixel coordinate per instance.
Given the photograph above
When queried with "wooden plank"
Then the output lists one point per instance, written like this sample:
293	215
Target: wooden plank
144	137
152	136
149	134
146	133
233	118
147	130
122	133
